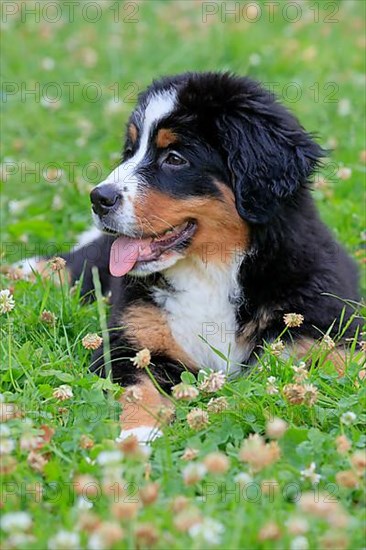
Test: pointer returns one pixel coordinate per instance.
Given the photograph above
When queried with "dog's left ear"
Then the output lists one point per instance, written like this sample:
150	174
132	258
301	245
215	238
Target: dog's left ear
269	156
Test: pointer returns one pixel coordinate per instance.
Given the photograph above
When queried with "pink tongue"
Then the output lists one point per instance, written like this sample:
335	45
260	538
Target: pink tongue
124	254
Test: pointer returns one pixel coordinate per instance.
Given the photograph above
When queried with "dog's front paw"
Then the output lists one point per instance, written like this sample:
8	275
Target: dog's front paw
144	434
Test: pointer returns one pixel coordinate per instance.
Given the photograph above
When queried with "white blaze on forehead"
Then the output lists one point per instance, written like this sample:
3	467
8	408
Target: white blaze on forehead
158	106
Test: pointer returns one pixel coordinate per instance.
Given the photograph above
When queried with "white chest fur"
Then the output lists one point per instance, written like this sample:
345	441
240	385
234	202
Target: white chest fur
200	310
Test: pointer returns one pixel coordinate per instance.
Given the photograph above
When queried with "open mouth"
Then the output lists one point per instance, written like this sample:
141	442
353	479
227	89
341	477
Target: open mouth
126	252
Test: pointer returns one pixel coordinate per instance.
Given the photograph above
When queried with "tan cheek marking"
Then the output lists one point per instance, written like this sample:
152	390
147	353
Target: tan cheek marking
146	410
165	137
146	327
221	232
132	132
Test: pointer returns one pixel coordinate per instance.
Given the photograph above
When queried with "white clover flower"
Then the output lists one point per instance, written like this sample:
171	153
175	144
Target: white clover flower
348	418
255	59
301	372
6	301
213	382
7	446
15	521
293	320
48	63
276	427
19	540
243	479
208	531
96	542
4	430
310	474
64	540
112	106
142	359
15	207
299	543
193	472
271	387
106	458
83	503
50	103
344	107
63	392
184	392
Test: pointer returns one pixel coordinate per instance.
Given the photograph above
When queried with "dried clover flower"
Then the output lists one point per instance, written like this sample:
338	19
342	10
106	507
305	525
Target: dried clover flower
132	394
197	419
57	263
189	454
217	404
184	392
259	454
294	393
358	461
213	382
130	446
271	387
149	493
142	359
48	318
63	392
343	444
269	531
92	341
125	510
293	320
193	472
301	373
276	428
146	535
277	348
348	479
216	463
36	461
86	442
327	342
310	394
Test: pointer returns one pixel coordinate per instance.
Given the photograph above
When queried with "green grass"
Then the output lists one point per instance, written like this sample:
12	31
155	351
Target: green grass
168	37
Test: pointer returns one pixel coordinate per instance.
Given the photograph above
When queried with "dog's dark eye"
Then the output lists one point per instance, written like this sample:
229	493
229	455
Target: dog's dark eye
174	160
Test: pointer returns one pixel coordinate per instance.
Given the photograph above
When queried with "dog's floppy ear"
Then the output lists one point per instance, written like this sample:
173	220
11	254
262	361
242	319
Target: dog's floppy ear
269	156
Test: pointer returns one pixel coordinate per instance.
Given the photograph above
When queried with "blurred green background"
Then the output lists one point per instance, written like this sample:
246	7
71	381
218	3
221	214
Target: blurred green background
72	70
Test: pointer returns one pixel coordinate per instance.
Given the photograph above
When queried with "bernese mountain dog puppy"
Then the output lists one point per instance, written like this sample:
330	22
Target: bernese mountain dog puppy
209	235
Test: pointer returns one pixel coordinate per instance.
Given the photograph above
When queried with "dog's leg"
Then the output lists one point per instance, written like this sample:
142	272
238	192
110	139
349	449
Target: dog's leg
304	348
145	403
144	411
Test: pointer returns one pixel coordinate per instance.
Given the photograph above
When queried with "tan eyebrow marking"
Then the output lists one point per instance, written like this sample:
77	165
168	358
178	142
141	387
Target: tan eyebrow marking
132	132
165	137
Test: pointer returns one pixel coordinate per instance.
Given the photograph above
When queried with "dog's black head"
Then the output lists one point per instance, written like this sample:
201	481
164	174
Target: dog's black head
206	156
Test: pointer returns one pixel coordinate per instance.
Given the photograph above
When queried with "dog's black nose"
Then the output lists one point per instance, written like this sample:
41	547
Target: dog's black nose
104	198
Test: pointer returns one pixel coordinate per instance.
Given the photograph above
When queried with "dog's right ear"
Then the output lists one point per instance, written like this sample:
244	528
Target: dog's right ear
268	154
